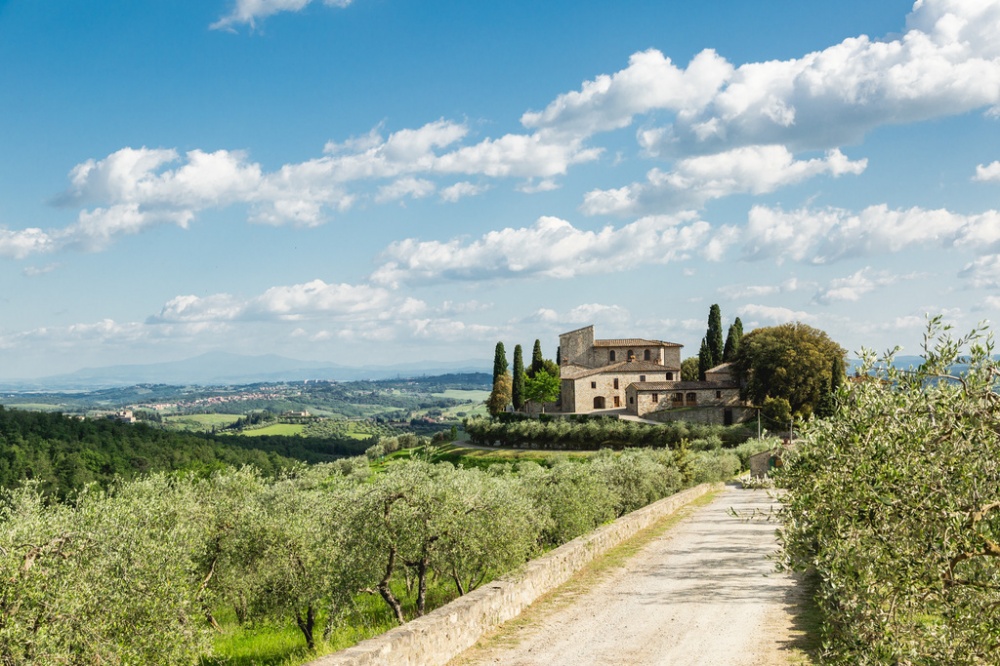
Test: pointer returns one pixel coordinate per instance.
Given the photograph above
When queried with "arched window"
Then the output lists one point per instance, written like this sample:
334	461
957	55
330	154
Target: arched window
631	355
599	402
670	376
646	355
611	356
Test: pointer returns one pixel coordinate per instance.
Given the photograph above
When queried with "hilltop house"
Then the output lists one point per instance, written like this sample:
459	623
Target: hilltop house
642	377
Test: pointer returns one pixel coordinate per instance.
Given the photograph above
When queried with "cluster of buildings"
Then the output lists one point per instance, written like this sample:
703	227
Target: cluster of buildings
643	378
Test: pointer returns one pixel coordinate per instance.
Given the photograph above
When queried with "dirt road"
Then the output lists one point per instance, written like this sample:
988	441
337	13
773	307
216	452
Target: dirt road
703	592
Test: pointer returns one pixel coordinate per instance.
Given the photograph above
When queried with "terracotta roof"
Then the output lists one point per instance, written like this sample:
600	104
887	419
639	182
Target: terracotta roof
634	342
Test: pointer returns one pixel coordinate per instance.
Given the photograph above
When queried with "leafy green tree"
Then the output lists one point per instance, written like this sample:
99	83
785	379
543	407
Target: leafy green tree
517	381
733	338
689	369
542	388
500	396
893	505
499	362
791	361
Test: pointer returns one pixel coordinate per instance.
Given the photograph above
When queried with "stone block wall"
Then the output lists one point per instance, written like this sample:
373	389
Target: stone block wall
443	634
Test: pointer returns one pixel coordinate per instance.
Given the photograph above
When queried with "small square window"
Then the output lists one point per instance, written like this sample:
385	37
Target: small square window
642	378
718	394
593	384
670	376
656	397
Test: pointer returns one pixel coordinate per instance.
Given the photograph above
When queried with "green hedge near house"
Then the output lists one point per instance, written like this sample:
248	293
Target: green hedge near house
591	434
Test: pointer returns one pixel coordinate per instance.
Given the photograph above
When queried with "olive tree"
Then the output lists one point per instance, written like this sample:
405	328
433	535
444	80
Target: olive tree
894	503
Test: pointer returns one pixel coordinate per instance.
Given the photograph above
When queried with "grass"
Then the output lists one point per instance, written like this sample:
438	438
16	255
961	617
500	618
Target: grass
199	422
286	429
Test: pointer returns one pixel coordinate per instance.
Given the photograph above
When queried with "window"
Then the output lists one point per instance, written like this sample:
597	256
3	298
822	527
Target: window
646	355
618	402
616	383
630	400
678	398
718	394
670	376
656	397
692	398
593	384
611	356
642	378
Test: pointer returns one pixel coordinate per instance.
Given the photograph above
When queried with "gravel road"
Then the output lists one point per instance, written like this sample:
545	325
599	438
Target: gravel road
703	592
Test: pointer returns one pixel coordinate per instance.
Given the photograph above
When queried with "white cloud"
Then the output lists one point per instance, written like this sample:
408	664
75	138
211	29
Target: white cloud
415	188
248	11
24	243
460	190
983	272
740	291
990	172
696	180
945	64
651	81
854	286
551	248
281	303
753	315
827	235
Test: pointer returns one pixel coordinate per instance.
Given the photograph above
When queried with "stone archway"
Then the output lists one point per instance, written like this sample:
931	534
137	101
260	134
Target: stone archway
599	402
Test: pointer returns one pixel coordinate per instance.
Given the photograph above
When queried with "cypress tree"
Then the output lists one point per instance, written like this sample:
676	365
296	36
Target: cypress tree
537	362
704	359
713	335
499	362
517	385
733	338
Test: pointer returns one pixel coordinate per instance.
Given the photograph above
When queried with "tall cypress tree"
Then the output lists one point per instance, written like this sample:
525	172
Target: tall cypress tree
517	386
733	338
704	359
537	362
713	336
499	362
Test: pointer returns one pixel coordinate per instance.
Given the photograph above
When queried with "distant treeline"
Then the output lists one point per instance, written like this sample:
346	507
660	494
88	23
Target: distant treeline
599	433
65	453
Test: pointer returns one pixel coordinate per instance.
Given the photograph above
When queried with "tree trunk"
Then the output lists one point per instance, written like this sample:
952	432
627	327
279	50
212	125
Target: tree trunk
386	592
306	625
422	568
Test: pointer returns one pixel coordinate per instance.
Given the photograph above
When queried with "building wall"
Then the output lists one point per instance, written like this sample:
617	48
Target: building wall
585	389
576	346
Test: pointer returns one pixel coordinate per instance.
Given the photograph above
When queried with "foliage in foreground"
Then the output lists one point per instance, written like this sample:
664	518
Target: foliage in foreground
138	573
895	505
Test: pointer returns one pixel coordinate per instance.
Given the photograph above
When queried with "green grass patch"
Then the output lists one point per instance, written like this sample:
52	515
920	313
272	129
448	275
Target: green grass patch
285	429
199	422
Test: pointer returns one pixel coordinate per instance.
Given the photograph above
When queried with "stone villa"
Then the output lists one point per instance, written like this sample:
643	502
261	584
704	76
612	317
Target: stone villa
642	377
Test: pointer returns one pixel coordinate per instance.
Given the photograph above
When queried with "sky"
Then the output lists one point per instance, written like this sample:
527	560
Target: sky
370	182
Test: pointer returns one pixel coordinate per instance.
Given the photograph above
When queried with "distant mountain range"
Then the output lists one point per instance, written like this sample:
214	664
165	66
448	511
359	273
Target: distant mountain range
222	368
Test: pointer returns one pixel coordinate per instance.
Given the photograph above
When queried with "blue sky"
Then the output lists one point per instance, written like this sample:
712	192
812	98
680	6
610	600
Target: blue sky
376	181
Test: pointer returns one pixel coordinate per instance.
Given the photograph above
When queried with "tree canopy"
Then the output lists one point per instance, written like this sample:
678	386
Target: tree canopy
517	381
792	361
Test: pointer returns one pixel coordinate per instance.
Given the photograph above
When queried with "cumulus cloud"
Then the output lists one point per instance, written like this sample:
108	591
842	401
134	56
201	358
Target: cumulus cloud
854	286
983	272
551	248
281	303
831	234
247	12
586	313
987	173
696	180
945	63
753	315
741	291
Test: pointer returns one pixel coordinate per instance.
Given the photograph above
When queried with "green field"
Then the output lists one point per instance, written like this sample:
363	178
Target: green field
286	429
199	422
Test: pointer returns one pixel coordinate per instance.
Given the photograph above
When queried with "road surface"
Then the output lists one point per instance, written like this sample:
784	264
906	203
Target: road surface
702	592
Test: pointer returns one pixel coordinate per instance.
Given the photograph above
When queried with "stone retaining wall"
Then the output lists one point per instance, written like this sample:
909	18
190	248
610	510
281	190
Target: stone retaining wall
440	636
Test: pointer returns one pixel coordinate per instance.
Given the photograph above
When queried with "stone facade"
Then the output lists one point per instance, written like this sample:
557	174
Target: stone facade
595	373
643	378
